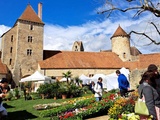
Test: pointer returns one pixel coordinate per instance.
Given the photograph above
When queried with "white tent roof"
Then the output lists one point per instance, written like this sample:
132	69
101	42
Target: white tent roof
64	79
85	79
37	76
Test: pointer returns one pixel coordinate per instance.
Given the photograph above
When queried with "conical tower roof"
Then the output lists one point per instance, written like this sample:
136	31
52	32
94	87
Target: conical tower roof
120	32
30	15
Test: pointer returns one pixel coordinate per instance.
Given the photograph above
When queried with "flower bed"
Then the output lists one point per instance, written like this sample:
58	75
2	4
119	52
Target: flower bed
112	104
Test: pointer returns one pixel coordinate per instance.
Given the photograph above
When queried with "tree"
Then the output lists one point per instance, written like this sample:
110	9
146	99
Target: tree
67	75
138	7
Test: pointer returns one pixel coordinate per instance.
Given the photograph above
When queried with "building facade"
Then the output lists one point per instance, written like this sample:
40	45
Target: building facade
22	45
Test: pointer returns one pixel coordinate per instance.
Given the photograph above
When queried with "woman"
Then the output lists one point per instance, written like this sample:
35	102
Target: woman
98	88
148	92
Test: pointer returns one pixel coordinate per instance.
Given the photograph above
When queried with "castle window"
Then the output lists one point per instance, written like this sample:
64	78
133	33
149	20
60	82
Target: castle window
76	49
31	27
10	61
29	38
12	38
29	52
11	50
91	75
124	55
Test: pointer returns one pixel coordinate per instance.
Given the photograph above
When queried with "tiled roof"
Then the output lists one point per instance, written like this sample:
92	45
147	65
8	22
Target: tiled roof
30	15
135	51
120	32
70	59
3	68
147	59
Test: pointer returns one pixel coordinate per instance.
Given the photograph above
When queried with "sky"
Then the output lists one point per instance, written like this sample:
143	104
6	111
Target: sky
67	21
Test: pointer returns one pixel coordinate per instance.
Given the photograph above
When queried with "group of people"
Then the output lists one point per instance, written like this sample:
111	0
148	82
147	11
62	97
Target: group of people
149	89
97	88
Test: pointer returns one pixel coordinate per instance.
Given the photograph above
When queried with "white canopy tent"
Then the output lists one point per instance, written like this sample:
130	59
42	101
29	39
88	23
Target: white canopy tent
38	79
85	79
37	76
103	76
64	79
109	81
112	82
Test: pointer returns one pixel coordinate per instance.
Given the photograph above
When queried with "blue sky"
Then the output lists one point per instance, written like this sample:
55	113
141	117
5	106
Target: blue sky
67	21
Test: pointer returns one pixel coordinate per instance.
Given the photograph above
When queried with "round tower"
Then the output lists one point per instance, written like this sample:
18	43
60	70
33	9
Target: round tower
121	44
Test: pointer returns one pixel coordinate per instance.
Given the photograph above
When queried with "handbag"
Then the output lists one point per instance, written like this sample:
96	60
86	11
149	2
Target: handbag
141	108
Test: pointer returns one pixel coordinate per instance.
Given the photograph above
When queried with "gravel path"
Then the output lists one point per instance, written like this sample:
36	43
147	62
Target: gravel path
105	117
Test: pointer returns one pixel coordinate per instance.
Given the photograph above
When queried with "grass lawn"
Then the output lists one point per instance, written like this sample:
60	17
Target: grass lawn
23	110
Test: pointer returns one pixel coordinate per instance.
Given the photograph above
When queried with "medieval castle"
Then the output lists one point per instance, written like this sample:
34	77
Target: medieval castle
22	53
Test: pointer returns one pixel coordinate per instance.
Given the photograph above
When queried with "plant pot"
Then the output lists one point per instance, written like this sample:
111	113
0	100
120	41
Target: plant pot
42	96
64	96
55	98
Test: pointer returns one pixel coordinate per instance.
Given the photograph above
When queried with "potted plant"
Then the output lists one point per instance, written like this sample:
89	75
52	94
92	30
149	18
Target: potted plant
54	89
63	89
16	93
9	96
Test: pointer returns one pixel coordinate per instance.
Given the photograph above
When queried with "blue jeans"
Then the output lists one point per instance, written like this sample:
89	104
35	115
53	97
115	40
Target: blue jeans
98	98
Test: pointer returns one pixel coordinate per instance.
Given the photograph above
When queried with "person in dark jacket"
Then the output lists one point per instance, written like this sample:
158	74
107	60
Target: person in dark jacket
153	68
4	88
123	83
148	93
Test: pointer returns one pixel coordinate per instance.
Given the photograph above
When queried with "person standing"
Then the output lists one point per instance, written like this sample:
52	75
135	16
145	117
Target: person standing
98	88
149	94
91	87
123	83
153	68
4	88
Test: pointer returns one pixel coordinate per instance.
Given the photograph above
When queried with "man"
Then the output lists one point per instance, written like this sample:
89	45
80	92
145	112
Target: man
123	83
154	68
4	88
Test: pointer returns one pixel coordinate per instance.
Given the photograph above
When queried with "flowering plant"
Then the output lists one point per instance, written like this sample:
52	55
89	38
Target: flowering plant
122	106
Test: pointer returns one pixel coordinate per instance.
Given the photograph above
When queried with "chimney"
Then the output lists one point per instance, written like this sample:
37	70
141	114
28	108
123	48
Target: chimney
40	10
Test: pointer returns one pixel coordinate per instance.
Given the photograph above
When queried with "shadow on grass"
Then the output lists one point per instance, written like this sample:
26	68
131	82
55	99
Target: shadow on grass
20	115
7	106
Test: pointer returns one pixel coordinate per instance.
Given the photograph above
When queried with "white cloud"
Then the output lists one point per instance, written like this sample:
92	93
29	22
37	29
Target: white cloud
96	35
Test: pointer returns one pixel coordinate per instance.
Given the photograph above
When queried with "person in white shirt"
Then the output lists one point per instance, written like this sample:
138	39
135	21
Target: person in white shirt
98	88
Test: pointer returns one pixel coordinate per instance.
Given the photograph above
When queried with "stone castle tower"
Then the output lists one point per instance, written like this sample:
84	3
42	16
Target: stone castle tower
22	45
121	44
78	46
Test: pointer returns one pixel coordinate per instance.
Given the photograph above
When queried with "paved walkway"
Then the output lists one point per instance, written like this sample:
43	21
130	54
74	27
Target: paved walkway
105	117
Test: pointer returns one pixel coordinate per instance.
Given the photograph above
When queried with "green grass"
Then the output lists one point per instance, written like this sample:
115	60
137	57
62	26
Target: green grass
23	110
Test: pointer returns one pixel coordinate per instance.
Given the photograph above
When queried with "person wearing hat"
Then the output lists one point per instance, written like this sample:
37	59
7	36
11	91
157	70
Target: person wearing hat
153	68
4	88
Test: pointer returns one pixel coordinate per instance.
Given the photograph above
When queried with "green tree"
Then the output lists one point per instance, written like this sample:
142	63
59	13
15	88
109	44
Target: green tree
67	75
